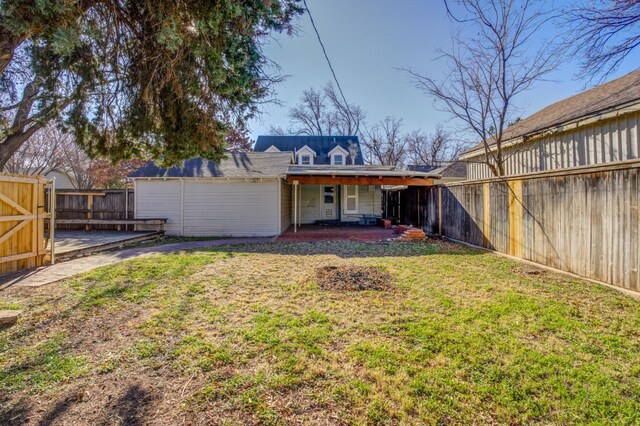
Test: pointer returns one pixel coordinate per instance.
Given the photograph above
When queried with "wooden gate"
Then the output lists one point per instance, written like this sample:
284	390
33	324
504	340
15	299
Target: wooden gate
22	215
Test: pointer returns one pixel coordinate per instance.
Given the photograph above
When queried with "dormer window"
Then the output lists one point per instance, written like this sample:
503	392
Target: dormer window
306	156
338	156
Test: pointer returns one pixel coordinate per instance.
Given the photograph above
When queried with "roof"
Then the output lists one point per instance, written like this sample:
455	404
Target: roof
235	165
449	169
322	145
351	170
607	96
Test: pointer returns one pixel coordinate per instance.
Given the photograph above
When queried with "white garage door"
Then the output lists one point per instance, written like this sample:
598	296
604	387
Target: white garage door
211	208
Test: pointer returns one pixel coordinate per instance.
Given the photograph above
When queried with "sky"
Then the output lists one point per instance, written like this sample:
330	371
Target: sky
368	41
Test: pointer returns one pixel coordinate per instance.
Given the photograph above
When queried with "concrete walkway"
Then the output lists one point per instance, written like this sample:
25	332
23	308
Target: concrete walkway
60	271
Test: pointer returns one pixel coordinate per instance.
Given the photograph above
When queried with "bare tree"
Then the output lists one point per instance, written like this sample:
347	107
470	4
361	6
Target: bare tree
345	119
310	116
434	149
604	33
323	112
78	165
490	69
276	131
40	154
384	143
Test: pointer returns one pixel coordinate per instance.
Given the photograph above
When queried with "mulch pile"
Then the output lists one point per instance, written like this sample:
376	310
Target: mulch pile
353	278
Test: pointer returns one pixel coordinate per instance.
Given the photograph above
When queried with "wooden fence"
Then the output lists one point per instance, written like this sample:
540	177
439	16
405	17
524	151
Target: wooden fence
22	217
106	204
583	221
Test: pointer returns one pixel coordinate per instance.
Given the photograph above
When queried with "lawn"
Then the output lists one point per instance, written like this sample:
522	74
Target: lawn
245	335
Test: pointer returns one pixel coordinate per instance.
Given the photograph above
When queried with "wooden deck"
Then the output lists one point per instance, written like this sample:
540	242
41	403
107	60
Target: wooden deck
79	243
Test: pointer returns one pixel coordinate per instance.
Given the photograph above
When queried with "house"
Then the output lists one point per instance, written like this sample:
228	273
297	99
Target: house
598	126
288	180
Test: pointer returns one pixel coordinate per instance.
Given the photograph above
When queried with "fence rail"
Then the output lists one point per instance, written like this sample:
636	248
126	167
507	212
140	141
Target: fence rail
585	222
22	218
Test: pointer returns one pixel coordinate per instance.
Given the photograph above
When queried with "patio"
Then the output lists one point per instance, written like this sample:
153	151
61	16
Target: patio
335	233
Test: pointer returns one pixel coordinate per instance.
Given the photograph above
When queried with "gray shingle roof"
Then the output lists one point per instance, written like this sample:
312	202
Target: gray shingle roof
607	96
236	165
322	145
449	169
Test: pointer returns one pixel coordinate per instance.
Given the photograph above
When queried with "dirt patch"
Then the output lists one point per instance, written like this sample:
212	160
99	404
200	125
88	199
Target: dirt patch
529	271
353	278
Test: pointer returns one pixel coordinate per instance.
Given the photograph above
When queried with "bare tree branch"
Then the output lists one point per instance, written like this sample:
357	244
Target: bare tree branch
490	69
604	33
384	143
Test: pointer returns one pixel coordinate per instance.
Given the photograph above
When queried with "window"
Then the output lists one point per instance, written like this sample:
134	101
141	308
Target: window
338	159
351	199
329	194
305	160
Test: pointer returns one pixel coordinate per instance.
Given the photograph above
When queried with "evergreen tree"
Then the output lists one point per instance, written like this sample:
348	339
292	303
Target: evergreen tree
167	78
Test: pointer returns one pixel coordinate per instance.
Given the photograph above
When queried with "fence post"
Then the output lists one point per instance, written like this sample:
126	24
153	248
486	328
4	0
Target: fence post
515	217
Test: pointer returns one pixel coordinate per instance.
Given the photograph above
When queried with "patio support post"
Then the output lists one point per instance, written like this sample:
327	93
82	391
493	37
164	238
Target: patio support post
295	206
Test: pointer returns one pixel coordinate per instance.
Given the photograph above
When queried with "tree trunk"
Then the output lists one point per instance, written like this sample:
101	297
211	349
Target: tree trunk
9	42
12	143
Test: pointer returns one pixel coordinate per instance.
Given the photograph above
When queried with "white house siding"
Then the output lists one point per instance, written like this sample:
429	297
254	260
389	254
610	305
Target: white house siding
157	199
604	142
285	206
309	199
211	207
235	208
369	203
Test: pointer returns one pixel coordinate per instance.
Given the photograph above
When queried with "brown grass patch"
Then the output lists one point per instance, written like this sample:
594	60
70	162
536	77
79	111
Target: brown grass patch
353	278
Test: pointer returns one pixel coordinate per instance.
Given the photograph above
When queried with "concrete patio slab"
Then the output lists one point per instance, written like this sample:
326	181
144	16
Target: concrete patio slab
311	233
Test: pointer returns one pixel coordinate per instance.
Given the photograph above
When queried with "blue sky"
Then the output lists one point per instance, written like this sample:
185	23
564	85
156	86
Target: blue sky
367	41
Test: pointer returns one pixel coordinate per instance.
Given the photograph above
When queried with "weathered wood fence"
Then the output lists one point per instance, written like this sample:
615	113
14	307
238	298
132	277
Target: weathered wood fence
22	217
103	204
583	221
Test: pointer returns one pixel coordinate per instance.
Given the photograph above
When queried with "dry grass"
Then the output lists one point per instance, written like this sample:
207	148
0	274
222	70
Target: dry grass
245	335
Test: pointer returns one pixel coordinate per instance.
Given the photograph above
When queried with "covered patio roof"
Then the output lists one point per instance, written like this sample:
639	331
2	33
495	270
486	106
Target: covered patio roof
358	175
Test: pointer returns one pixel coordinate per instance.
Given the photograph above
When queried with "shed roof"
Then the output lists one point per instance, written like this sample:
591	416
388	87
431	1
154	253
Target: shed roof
322	145
607	96
448	169
235	165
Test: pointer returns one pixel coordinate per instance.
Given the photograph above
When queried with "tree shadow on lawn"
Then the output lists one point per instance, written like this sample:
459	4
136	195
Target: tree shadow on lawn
132	408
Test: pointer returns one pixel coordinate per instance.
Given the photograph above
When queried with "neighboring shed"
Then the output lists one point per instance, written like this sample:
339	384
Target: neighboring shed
244	195
322	146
